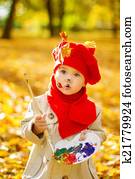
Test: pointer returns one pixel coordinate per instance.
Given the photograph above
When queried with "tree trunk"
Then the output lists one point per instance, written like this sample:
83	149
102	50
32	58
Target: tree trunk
9	23
61	14
54	30
114	6
49	5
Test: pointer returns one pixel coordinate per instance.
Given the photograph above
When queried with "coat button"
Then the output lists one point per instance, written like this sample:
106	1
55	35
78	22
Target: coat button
65	177
50	115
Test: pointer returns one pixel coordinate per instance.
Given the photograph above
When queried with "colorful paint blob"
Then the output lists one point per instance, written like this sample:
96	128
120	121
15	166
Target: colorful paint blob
74	154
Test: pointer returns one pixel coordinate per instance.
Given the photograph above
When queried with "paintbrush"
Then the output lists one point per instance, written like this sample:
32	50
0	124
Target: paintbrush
36	104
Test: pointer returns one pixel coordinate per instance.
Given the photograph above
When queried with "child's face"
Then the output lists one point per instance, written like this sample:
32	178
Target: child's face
69	80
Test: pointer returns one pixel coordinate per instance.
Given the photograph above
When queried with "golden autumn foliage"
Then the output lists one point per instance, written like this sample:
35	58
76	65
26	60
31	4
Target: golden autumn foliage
32	56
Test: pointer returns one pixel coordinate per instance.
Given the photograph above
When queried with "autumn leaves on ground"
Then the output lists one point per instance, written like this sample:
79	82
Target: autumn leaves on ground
32	56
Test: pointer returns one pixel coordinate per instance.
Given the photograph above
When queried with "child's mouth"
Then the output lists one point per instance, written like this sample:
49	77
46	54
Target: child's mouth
67	86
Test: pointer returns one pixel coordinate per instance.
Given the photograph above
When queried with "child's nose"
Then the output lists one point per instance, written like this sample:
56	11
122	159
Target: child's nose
69	80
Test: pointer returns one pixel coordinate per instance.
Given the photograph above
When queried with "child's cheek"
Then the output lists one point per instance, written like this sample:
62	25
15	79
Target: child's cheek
58	77
78	85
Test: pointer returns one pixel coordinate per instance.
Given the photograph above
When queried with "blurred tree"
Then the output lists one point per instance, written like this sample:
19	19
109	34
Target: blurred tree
49	5
9	23
114	6
55	9
33	4
61	13
57	15
76	14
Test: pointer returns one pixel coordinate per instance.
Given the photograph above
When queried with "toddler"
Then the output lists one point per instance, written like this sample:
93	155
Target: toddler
66	111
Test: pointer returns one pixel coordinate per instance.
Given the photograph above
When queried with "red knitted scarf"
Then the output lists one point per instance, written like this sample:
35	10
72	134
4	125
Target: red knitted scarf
74	112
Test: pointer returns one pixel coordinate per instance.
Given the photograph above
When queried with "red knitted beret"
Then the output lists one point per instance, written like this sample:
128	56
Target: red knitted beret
79	56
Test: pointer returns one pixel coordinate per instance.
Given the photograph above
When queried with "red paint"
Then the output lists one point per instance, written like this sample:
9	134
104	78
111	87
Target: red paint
59	85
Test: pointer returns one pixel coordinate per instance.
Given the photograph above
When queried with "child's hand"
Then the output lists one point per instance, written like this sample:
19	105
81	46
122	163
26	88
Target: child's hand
39	124
82	136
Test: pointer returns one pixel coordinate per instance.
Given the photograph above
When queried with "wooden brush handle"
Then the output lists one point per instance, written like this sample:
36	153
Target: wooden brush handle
36	104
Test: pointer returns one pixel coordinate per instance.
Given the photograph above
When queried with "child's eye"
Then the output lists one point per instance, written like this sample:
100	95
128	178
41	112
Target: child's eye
63	71
77	74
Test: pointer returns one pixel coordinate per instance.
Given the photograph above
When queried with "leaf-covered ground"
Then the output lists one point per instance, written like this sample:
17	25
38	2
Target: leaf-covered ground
32	56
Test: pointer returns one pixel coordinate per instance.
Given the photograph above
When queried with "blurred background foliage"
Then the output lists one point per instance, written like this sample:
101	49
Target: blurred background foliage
48	17
29	31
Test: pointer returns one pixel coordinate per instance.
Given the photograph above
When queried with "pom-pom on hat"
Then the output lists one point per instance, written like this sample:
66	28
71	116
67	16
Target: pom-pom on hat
79	56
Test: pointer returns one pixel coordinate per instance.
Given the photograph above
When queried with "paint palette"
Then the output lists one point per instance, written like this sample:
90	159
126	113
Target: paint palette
77	150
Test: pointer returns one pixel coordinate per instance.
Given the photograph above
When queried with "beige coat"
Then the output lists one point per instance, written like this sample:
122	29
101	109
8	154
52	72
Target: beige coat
40	164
